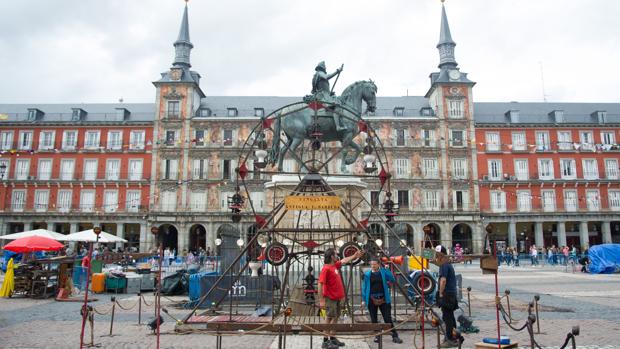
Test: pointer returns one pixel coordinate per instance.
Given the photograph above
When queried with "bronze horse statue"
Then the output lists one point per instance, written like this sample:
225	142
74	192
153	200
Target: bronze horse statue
296	126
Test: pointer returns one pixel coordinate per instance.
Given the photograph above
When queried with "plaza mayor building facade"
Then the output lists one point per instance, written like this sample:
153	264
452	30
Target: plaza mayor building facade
543	173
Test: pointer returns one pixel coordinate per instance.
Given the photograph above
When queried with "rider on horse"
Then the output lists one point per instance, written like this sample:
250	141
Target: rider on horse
321	90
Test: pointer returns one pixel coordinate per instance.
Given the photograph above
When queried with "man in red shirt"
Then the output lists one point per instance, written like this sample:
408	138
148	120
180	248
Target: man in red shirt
331	292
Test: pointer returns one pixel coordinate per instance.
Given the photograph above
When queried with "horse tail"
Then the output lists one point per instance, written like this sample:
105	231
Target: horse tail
275	144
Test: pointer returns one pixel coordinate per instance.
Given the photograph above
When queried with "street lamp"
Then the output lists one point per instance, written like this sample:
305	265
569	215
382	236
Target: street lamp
97	231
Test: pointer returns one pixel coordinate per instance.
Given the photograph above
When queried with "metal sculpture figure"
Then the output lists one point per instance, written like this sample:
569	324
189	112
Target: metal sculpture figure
326	118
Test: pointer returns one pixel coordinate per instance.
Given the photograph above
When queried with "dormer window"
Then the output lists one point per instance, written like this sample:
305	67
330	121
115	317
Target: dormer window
34	114
77	114
259	112
232	112
426	111
399	111
558	116
122	114
513	116
206	112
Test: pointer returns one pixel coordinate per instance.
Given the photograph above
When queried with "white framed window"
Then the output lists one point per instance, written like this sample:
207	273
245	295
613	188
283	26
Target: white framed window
456	108
18	200
6	140
67	168
542	141
173	111
168	201
172	137
115	140
110	200
169	169
112	169
401	135
25	140
611	169
402	168
69	140
570	200
258	200
590	168
545	169
200	138
498	201
431	200
493	143
608	139
22	169
460	198
518	141
548	200
200	168
87	200
135	169
136	139
495	170
224	195
46	140
565	140
430	168
568	168
198	201
524	201
459	168
587	140
429	138
593	200
41	200
614	200
133	201
44	170
228	168
228	137
90	169
91	140
402	197
457	138
232	112
522	171
64	199
6	164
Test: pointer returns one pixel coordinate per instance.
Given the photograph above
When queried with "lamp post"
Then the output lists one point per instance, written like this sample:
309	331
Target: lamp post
155	232
2	172
97	231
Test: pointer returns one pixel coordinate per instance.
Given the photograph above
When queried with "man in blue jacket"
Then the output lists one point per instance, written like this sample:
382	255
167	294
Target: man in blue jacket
376	295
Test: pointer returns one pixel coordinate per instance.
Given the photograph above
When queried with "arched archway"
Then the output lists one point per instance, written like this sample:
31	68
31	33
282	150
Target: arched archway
462	235
432	235
169	236
197	237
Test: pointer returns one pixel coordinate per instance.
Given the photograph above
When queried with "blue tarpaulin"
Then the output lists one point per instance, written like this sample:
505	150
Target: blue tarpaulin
604	259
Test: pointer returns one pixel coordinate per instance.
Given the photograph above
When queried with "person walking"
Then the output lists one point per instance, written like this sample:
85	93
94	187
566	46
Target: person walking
331	292
447	297
376	295
515	255
534	255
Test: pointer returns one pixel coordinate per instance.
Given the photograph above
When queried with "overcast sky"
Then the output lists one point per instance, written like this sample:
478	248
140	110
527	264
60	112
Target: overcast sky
98	51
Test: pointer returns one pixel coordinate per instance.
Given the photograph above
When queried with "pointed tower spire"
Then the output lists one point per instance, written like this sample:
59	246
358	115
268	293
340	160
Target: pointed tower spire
183	46
446	44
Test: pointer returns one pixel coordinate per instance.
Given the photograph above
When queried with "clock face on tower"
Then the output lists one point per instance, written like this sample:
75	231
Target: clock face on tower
454	74
175	74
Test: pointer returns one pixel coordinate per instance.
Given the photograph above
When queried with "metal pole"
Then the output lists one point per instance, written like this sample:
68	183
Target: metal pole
422	289
536	299
139	308
468	301
84	309
112	317
499	346
158	295
507	292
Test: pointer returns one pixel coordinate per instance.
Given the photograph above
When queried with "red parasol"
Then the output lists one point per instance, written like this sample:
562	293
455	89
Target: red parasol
32	244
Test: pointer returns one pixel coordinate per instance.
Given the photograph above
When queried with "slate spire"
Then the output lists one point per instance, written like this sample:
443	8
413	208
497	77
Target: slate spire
183	46
446	44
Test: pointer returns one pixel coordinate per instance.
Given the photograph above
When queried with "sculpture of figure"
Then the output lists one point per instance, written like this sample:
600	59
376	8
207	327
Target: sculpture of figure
322	91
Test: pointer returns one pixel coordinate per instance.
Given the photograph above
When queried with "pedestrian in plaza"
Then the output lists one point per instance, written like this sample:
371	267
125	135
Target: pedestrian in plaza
534	255
515	256
447	297
331	292
508	256
376	295
565	253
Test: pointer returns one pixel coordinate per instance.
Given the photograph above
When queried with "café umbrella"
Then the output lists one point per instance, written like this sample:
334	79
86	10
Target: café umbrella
33	244
90	236
37	232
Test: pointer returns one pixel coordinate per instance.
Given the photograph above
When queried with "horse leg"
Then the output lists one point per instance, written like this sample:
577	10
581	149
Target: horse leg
283	151
345	143
293	146
358	150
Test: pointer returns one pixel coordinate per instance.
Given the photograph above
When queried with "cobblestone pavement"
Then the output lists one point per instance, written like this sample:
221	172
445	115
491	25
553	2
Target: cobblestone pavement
567	299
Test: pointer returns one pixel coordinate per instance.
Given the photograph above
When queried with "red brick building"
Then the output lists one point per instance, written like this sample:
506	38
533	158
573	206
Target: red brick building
548	172
69	167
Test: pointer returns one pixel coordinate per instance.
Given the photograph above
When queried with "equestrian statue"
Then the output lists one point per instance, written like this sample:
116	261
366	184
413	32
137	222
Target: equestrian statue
299	126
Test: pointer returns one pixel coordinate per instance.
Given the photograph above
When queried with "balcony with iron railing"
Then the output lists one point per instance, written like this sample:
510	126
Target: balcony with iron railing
71	176
46	208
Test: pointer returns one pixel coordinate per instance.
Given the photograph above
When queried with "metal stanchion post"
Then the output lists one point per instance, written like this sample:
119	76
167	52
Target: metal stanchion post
468	301
112	316
507	293
139	308
155	231
536	299
97	231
